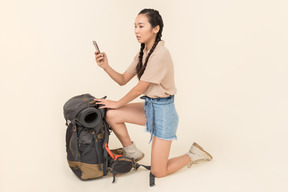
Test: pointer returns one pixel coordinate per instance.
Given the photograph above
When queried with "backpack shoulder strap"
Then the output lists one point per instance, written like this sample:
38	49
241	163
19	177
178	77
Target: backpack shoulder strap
75	138
151	180
151	176
114	174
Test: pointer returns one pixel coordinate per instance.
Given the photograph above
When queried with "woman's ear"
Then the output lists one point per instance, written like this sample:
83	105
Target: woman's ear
156	29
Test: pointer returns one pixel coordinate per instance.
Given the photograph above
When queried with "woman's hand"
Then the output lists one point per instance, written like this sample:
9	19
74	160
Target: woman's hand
101	59
107	103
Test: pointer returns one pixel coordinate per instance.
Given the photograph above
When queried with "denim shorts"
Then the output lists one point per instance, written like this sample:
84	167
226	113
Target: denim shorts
161	117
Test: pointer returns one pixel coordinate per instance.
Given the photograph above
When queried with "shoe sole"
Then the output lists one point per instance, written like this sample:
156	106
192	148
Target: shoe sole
199	147
141	157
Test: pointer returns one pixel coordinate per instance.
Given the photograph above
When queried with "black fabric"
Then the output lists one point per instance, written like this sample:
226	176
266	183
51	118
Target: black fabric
152	180
122	165
87	134
98	153
145	166
74	105
89	117
69	135
105	154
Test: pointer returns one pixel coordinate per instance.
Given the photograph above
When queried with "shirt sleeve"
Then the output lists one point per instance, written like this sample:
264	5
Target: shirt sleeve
156	69
133	65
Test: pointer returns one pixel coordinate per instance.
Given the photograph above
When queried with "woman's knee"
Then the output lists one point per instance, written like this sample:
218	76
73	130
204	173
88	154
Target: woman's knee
110	116
158	173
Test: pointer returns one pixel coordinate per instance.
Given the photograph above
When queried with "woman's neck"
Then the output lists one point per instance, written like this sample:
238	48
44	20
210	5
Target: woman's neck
149	45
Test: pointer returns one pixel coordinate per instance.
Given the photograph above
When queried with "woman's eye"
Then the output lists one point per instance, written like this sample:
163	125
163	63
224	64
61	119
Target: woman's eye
141	26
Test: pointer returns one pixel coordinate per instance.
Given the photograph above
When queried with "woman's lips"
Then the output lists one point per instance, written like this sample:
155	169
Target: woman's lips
138	37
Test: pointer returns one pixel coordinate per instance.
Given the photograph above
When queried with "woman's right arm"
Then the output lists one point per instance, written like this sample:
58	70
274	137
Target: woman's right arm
121	79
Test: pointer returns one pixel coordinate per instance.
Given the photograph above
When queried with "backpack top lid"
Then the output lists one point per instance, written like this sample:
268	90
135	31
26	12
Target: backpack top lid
74	105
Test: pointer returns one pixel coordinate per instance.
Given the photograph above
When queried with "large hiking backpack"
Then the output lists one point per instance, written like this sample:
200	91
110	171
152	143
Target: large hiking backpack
87	137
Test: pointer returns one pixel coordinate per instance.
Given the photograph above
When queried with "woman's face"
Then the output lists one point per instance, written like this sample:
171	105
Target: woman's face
143	30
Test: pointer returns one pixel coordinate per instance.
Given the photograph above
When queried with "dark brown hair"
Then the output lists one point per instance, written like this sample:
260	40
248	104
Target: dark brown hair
154	18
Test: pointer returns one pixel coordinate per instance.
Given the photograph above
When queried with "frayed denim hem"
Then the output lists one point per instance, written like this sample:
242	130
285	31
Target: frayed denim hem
167	139
152	134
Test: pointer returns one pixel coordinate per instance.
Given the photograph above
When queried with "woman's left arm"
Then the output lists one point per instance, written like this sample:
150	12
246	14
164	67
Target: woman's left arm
131	95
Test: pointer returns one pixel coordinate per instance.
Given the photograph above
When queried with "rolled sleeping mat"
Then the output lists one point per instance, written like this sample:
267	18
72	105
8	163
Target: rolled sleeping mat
89	117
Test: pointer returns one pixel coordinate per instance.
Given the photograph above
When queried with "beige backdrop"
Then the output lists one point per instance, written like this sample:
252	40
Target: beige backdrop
231	69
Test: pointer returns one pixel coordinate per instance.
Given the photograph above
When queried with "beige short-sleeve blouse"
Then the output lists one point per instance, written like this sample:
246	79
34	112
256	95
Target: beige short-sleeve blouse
159	72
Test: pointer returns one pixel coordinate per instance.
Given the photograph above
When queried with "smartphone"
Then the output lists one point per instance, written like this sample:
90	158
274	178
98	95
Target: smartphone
96	46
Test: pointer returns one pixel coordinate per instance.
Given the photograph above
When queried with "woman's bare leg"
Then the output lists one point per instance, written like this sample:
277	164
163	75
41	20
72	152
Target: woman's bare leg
160	165
129	113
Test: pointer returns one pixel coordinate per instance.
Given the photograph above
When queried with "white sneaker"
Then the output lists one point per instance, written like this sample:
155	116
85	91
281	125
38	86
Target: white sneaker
198	154
132	152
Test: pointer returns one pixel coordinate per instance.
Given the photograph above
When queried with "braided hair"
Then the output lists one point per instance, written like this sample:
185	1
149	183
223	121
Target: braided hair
154	19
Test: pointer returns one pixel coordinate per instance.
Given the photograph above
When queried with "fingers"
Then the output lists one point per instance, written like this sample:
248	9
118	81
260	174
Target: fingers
100	102
99	56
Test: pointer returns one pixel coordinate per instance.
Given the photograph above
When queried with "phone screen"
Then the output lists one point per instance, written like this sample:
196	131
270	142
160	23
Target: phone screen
96	46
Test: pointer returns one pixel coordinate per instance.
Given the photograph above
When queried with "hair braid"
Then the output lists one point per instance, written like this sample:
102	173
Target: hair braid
155	19
141	53
146	60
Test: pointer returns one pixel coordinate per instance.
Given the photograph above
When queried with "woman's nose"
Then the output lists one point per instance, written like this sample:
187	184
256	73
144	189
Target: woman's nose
136	30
